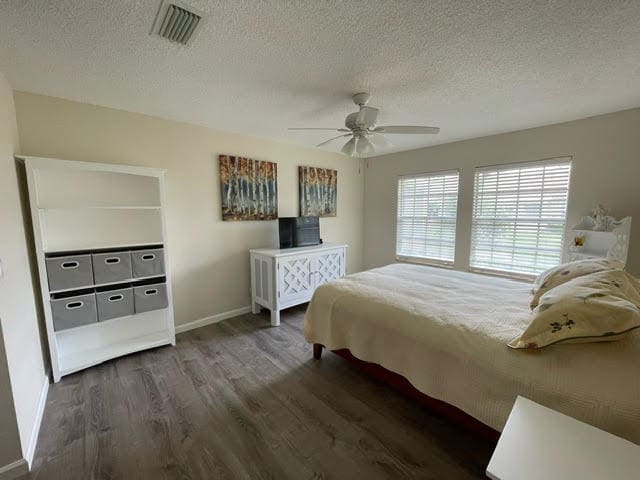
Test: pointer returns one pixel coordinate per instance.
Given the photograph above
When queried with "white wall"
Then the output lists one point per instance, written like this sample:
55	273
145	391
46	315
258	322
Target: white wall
605	169
209	257
17	305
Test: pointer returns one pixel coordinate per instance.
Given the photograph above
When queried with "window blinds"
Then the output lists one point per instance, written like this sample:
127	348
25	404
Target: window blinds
519	214
426	223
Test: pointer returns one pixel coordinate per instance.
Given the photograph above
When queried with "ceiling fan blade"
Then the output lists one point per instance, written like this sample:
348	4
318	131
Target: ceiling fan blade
349	147
314	128
406	129
380	141
332	139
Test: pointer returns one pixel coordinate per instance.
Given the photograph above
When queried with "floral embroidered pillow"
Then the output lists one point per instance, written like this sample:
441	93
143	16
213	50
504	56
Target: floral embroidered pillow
601	306
568	271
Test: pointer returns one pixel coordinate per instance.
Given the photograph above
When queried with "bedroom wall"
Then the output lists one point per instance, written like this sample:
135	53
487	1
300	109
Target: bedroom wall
21	361
209	257
605	169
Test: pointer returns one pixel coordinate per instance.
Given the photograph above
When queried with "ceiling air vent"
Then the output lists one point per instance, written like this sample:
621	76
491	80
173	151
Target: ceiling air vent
176	22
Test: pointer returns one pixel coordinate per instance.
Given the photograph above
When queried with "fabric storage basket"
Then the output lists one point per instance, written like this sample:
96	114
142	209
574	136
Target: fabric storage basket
111	267
150	297
114	303
73	271
74	311
147	263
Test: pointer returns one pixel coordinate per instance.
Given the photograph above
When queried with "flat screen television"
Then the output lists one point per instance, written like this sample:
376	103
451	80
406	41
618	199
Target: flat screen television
299	231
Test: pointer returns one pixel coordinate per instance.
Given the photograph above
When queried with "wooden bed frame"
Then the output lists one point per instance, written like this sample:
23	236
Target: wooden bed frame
401	384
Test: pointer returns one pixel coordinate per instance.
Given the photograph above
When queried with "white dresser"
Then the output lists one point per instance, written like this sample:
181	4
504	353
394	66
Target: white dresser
282	278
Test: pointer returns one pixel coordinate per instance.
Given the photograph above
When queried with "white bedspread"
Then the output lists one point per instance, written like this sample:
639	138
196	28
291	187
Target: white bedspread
446	332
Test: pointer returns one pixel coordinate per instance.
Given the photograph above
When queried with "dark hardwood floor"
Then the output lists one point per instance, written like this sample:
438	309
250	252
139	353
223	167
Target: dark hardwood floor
243	400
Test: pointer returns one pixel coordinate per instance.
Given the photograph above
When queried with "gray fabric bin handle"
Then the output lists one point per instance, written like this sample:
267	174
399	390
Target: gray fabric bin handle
69	265
112	260
151	291
74	305
148	257
116	298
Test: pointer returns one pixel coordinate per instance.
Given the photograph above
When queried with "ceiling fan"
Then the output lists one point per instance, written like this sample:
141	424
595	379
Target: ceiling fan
366	137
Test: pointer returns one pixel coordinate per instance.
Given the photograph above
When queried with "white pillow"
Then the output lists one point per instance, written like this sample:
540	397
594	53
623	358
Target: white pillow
601	306
568	271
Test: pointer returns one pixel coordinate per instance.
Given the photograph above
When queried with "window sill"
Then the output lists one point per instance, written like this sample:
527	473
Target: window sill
521	277
424	261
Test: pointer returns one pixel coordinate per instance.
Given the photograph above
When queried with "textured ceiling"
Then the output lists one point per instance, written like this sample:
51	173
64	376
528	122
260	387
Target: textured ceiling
471	67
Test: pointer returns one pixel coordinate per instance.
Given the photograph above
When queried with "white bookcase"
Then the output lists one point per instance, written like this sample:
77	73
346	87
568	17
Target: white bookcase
282	278
86	210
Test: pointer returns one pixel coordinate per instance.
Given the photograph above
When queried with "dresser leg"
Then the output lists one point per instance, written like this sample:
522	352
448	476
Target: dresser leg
275	318
317	351
255	308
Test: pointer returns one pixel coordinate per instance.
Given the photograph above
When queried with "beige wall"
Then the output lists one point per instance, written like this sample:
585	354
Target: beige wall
9	437
605	169
209	257
17	304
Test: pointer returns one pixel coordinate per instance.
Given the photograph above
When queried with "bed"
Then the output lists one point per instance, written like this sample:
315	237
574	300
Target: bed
446	331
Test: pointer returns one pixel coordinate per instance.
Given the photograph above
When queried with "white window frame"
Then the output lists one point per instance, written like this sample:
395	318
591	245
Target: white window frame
560	225
424	259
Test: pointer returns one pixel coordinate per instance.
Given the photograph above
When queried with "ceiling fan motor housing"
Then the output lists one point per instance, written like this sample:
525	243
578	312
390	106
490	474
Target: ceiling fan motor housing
362	120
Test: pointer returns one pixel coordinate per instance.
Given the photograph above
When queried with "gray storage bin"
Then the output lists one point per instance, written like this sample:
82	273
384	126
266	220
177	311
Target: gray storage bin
114	303
111	267
74	311
150	297
147	263
73	271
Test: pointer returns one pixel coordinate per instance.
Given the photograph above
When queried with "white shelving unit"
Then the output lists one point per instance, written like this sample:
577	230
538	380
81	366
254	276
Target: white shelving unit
612	243
86	207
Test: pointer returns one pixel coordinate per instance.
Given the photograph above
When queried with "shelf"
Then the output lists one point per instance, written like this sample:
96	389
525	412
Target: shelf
102	207
594	232
99	285
588	254
86	358
88	345
104	249
88	228
60	188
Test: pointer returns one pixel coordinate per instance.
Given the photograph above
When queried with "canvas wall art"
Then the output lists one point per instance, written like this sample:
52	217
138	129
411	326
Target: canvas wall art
318	191
249	188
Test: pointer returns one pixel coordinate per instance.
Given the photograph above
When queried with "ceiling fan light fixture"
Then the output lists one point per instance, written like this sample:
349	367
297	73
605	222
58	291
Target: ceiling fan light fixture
350	147
364	146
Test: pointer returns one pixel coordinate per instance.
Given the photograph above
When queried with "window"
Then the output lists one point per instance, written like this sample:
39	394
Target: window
519	214
427	207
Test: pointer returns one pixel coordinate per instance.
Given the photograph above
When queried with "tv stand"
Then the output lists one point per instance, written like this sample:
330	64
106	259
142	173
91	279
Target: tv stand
283	278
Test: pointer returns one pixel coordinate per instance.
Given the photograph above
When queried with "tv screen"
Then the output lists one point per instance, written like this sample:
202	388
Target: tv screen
298	231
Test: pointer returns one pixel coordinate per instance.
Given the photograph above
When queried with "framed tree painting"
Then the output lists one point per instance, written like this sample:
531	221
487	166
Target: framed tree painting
249	188
318	191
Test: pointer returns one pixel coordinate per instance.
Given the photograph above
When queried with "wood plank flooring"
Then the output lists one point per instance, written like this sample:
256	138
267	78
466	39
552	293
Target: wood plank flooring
243	400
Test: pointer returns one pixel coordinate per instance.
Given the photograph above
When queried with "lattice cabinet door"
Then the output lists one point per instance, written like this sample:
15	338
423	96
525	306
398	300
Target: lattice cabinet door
296	279
330	266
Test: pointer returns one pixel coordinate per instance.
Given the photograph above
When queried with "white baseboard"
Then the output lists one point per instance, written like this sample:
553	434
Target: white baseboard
14	470
33	439
218	317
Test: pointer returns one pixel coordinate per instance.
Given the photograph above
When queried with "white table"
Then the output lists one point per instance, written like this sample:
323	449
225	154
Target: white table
540	443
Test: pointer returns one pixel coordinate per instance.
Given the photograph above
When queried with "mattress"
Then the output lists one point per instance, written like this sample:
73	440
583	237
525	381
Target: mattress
446	332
